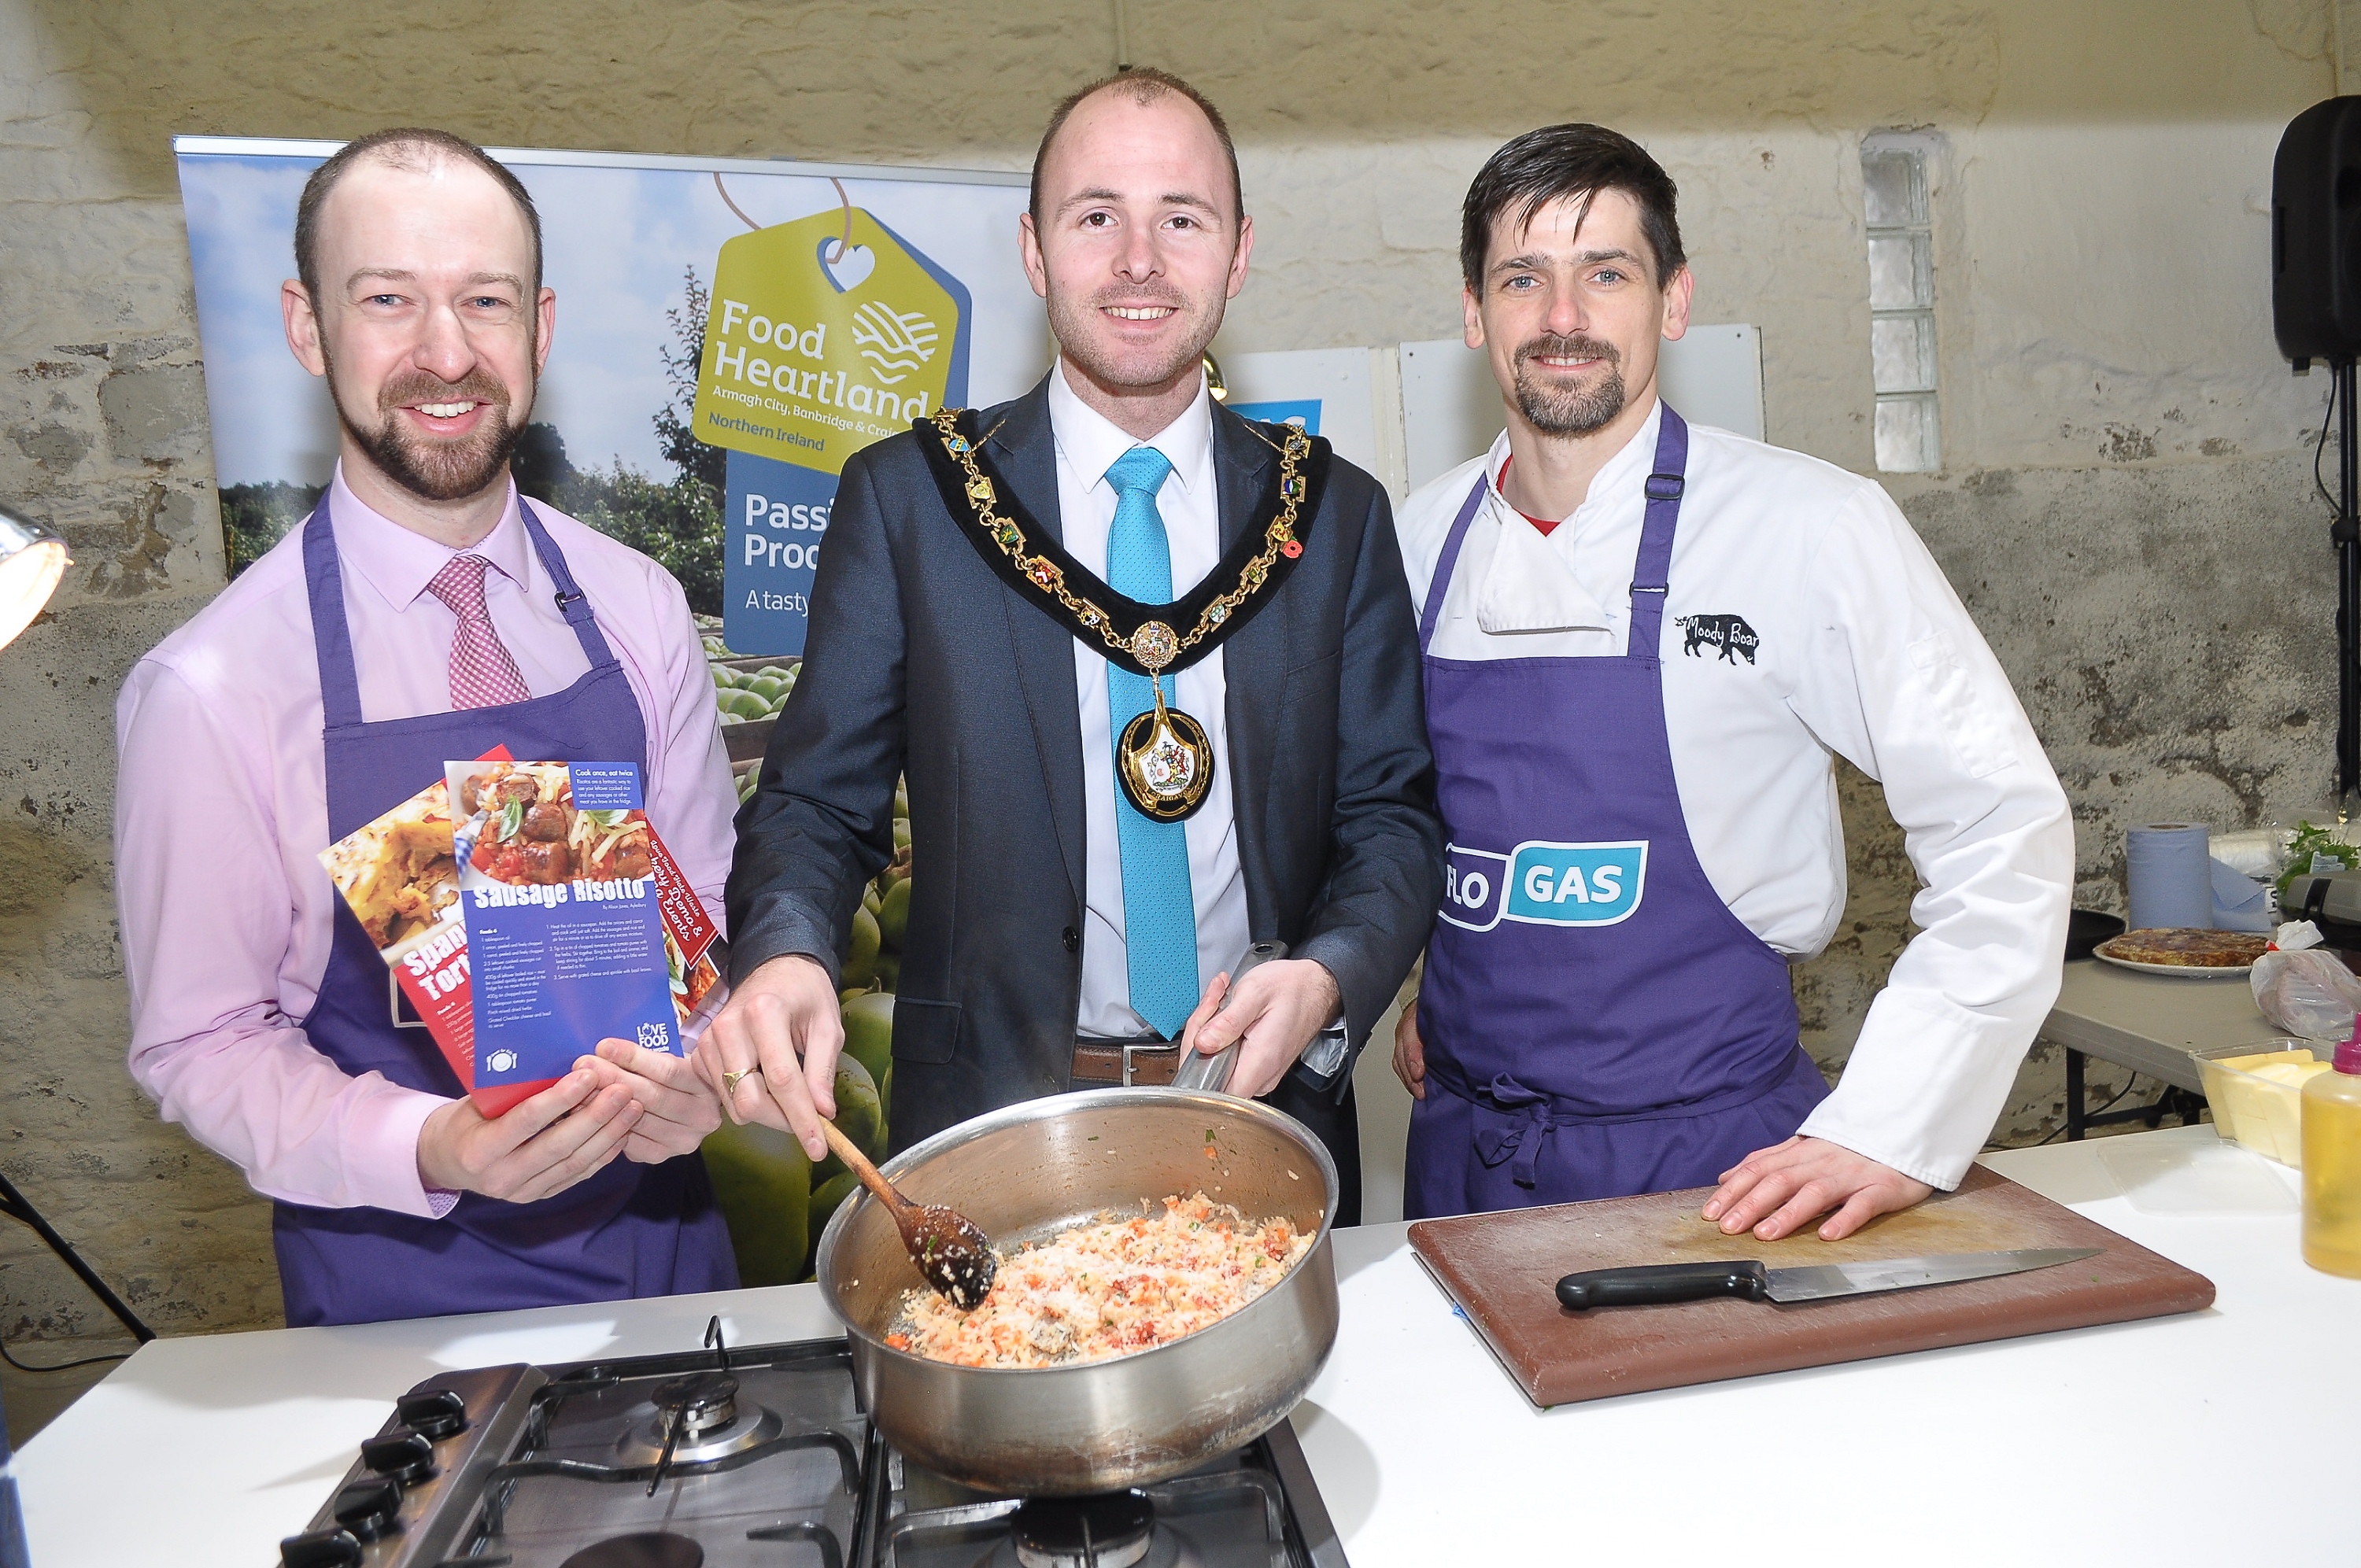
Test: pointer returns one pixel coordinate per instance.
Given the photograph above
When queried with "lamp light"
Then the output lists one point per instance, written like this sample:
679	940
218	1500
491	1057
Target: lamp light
32	559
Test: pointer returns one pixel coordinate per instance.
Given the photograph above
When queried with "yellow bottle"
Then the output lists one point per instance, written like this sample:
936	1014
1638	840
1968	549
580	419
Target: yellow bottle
2332	1165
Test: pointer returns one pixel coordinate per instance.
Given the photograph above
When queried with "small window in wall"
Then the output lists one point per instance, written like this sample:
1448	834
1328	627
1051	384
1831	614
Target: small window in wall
1901	305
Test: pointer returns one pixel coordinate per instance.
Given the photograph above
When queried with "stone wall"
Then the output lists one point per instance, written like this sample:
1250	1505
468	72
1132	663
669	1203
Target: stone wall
2125	503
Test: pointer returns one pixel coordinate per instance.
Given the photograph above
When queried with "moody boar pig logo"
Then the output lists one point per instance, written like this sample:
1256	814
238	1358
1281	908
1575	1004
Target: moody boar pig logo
1728	633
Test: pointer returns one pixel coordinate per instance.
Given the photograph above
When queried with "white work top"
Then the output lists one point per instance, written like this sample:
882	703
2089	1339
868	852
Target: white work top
2059	1448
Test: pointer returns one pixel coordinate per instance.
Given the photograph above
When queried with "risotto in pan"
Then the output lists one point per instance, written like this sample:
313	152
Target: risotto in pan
1107	1288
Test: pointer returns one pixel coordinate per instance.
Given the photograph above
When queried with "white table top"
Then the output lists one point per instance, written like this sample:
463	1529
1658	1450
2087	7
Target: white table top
2062	1448
2150	1022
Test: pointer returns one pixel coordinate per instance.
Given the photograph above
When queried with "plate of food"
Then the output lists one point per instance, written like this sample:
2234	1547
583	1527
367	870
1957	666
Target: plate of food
2184	950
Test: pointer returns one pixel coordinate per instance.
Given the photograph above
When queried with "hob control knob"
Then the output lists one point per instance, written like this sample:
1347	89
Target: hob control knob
320	1548
402	1455
369	1509
440	1414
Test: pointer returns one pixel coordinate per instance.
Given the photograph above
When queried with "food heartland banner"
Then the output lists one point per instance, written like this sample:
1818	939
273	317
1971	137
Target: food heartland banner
729	331
824	334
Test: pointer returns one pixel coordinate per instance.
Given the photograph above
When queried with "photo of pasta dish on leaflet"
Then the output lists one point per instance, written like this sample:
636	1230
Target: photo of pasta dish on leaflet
527	910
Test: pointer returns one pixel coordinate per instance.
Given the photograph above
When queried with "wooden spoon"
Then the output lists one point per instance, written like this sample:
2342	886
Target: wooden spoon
951	1252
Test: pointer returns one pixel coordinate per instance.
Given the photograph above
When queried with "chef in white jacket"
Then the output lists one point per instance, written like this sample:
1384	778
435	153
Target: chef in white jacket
1646	643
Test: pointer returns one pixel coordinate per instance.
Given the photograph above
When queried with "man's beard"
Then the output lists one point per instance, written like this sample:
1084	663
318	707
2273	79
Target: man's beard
1072	321
431	469
1570	410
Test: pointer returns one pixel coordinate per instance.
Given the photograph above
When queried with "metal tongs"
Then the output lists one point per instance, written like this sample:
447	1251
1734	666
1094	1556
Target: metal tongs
1202	1071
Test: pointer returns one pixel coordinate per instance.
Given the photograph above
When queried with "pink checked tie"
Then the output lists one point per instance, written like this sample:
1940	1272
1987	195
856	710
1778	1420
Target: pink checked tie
482	674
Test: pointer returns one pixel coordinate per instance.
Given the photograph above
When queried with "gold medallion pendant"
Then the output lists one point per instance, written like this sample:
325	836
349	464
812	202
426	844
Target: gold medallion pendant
1163	759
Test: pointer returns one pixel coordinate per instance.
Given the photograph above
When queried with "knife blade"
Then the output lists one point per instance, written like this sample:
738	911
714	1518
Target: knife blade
1656	1284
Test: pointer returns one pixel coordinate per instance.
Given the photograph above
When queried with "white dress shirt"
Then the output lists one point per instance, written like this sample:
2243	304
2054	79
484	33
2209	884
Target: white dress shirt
1088	443
1864	652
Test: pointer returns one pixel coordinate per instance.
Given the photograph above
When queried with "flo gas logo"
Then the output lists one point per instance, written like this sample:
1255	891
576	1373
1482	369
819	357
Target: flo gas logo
1539	883
824	334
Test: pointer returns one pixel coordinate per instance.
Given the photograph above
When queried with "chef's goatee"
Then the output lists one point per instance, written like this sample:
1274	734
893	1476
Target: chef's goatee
1570	410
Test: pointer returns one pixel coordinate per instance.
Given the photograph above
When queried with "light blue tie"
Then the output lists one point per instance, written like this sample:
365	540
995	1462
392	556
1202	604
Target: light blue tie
1160	913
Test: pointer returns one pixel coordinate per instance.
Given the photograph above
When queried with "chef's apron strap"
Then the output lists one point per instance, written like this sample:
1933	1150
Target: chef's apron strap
1440	583
571	600
1652	570
331	641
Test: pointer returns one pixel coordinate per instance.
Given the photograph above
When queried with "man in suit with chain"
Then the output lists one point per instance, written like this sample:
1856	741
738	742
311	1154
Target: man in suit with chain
1110	633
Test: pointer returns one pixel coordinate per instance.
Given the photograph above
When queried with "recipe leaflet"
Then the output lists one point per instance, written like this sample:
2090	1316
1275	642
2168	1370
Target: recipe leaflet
526	911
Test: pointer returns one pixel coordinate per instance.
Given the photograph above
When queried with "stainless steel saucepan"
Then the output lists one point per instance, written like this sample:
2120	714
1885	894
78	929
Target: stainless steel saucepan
1026	1170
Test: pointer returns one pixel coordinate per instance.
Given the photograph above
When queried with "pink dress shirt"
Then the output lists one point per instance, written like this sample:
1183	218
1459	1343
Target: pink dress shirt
221	812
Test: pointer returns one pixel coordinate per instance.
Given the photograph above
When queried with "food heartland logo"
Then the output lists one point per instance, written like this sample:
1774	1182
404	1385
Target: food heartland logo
807	359
1541	883
894	342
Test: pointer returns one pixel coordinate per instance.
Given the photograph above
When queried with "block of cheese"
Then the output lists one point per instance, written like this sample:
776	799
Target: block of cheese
2257	1099
2283	1104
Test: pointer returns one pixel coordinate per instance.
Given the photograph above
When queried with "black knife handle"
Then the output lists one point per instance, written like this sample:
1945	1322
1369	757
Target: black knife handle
1656	1284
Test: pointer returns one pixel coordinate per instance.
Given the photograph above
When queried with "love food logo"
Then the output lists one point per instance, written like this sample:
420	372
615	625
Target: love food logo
1541	883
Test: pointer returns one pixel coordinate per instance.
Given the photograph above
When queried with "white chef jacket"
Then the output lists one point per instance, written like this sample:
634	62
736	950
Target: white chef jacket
1088	443
1861	649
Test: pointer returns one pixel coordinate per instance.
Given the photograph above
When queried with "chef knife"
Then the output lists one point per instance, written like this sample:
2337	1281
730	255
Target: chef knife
1656	1284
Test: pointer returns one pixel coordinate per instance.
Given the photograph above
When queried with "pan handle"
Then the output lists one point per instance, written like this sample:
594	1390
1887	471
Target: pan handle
1202	1071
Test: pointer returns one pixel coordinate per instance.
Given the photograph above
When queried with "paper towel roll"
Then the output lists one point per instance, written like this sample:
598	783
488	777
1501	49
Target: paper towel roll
2240	903
2169	875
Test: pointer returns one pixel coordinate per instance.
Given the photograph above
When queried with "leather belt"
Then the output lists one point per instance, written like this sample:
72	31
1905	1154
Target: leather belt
1153	1062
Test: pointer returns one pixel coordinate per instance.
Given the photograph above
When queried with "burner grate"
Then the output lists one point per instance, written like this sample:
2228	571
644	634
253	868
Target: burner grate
1233	1512
766	1467
774	1465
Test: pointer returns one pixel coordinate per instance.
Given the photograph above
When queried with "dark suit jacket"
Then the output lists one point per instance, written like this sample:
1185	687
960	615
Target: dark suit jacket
921	662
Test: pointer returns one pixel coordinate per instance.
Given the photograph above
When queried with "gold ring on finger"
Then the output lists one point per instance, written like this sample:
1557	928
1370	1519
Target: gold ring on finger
731	1080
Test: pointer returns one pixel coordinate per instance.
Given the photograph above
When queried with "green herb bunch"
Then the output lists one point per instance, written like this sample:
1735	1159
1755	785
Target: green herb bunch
2310	852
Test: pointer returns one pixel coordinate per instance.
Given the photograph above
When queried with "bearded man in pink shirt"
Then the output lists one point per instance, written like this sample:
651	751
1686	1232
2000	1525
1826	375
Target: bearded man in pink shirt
424	612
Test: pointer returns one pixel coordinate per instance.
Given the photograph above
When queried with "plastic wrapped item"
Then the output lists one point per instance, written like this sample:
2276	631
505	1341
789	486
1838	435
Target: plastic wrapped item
2257	852
2306	991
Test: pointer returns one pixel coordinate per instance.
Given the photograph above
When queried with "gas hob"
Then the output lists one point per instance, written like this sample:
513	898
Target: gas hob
757	1457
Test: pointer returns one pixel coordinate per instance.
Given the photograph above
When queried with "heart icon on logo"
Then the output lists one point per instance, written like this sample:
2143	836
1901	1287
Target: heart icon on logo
850	269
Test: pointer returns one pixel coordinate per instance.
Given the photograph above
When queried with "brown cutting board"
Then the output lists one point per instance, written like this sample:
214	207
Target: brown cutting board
1503	1268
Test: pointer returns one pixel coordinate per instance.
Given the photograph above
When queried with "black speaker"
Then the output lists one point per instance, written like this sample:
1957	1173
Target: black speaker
2316	234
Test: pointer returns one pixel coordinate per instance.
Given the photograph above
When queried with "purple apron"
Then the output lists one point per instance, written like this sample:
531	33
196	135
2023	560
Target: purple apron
630	1230
1597	1022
